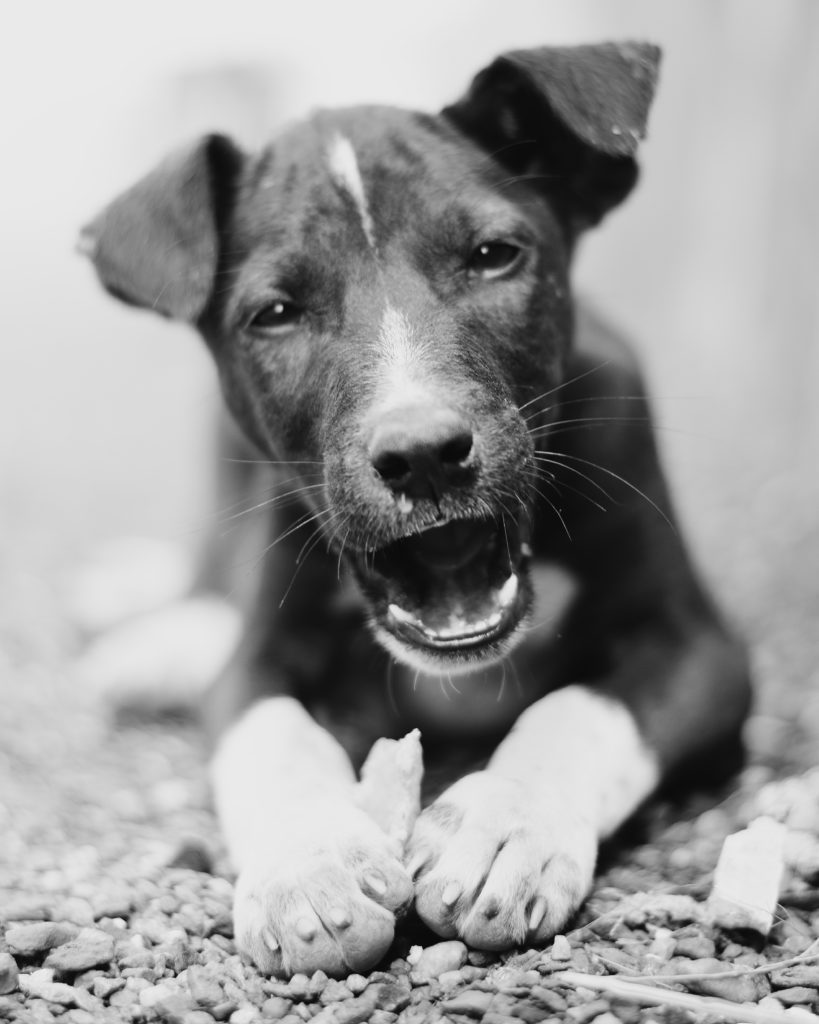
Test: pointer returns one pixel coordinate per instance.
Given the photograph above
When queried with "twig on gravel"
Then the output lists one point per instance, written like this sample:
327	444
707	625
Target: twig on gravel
737	972
645	995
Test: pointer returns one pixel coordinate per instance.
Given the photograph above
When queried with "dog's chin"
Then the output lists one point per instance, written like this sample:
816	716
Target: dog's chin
452	598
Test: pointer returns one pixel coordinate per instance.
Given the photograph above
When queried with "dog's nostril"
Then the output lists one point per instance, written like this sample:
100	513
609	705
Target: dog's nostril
456	450
391	467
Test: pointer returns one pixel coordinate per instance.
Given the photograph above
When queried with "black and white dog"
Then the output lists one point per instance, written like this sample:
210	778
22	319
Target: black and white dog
468	532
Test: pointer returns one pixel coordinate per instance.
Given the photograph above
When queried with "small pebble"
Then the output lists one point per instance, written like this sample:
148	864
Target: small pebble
27	940
26	908
90	948
471	1002
298	986
356	983
8	973
193	855
799	995
663	944
244	1015
561	949
104	987
435	960
334	992
695	947
275	1008
799	974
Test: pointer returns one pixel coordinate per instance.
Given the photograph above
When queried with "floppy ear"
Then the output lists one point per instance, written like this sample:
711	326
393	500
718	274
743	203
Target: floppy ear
573	115
157	245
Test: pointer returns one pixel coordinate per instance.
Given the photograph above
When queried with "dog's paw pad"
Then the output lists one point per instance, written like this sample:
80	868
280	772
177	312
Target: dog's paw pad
497	868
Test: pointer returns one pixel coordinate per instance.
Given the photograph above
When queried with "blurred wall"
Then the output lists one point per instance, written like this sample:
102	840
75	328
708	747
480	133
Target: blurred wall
712	266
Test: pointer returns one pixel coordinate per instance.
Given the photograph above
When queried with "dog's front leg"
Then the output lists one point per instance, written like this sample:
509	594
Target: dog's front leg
505	855
319	882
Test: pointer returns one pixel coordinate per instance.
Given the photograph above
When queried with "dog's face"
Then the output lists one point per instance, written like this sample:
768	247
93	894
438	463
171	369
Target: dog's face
397	299
386	297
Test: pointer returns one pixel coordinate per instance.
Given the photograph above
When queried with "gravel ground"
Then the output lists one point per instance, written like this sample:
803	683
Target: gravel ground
115	894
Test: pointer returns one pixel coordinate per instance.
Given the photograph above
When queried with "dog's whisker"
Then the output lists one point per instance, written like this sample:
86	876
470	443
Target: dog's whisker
559	487
616	476
304	520
564	384
310	544
393	702
273	501
541	458
274	462
546	428
502	687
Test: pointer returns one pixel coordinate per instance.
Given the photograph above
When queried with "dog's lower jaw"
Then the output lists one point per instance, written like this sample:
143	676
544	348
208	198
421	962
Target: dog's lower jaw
454	663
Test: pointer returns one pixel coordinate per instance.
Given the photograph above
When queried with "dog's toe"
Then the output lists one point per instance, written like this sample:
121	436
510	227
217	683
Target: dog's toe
497	868
328	907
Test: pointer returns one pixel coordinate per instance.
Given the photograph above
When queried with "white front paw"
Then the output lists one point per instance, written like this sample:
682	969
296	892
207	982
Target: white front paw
499	864
321	896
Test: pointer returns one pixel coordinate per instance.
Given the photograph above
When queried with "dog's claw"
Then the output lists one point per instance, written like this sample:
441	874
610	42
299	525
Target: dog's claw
306	929
375	883
416	864
450	895
537	913
340	917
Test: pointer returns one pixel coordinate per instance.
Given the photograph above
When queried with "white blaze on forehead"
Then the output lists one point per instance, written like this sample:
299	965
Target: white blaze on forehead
347	175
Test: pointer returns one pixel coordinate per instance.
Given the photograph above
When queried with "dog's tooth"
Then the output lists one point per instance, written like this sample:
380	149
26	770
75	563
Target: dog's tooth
405	504
270	940
526	550
398	613
508	592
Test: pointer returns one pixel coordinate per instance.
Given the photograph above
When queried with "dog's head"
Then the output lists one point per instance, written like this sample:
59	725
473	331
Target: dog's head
385	293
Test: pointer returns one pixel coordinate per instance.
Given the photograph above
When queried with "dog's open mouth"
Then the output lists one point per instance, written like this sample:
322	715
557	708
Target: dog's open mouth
457	588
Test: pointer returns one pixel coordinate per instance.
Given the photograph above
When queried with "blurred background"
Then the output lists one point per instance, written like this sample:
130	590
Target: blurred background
711	267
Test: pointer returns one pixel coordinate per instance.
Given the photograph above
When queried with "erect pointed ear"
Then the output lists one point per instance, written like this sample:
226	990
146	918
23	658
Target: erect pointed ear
157	245
573	115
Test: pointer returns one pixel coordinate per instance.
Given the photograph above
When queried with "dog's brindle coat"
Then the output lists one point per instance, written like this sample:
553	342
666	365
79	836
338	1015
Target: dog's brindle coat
386	297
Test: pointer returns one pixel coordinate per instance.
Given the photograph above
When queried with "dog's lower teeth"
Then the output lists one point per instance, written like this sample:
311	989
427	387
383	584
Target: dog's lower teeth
458	625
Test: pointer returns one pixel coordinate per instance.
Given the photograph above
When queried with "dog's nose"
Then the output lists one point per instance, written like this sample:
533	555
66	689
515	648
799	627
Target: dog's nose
421	452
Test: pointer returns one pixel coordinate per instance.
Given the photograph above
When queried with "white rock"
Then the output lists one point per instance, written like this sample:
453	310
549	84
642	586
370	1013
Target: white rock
748	877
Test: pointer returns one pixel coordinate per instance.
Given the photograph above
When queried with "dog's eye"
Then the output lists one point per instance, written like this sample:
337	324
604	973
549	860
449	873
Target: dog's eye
279	313
492	259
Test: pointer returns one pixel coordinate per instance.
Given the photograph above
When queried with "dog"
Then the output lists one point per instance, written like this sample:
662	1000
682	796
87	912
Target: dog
466	526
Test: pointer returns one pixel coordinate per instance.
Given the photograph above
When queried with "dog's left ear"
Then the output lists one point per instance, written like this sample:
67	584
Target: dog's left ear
571	117
157	245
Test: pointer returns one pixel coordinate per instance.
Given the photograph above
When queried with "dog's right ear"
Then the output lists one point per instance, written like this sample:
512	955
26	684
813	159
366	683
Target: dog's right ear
157	244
